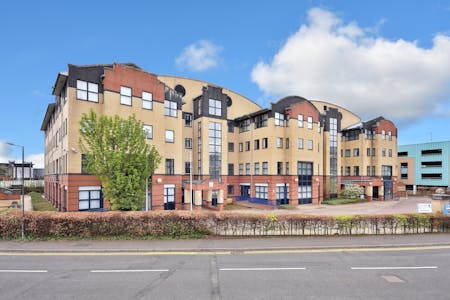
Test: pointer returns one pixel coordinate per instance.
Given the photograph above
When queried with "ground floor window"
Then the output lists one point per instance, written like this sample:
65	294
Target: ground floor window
169	196
90	197
282	193
262	191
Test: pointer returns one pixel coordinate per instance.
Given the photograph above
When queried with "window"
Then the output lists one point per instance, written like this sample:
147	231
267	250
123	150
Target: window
199	148
247	169
261	191
383	152
356	152
310	123
404	170
310	144
241	169
125	95
287	143
318	127
230	169
230	189
386	171
215	107
373	171
87	91
244	125
147	100
287	168
279	119
264	143
89	197
187	119
265	167
256	143
368	151
300	143
241	147
347	171
279	168
170	108
383	134
300	121
187	167
402	154
257	168
230	147
261	121
170	166
373	151
170	136
188	143
215	149
355	170
390	135
230	126
390	152
148	130
368	170
282	193
347	152
247	146
279	142
304	171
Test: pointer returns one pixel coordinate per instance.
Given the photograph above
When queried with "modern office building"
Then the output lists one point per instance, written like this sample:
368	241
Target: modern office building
295	151
424	166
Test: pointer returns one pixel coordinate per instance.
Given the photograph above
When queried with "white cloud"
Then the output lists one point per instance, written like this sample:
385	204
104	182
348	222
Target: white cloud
200	56
329	60
37	159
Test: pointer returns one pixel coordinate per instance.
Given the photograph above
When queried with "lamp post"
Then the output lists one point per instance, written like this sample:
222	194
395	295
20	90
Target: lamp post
22	225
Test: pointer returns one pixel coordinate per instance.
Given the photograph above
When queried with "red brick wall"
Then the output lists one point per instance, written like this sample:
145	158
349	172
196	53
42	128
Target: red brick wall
137	80
305	108
386	125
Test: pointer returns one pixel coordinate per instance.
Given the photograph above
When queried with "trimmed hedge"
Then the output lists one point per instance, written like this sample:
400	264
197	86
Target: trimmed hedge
184	223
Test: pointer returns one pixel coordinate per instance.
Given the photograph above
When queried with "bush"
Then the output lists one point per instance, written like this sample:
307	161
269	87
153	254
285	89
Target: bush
35	189
352	191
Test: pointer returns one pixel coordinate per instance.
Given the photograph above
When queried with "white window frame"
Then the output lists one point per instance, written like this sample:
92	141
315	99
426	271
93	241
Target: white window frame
89	191
215	107
279	142
147	100
125	95
148	130
87	91
170	108
300	143
188	143
169	193
310	122
310	145
300	121
279	119
169	136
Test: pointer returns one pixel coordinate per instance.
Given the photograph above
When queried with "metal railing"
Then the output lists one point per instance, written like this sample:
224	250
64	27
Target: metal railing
27	183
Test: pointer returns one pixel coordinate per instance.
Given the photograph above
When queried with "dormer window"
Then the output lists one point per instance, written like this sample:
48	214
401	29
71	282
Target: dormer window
215	107
87	91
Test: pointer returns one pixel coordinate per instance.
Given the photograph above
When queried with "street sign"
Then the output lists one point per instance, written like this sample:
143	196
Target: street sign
446	209
424	208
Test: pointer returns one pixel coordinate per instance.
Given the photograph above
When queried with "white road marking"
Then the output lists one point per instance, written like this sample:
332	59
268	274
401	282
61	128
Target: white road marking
23	271
394	268
392	279
128	271
260	269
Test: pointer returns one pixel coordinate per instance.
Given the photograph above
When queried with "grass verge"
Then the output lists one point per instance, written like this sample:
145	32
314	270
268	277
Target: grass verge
39	203
339	201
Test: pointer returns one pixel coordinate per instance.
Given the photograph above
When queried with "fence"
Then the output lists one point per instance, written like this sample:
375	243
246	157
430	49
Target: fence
28	183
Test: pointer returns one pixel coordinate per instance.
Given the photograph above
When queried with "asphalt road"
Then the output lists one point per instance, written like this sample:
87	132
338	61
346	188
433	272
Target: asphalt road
365	273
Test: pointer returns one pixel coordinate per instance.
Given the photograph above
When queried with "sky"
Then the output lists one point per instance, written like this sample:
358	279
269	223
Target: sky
375	58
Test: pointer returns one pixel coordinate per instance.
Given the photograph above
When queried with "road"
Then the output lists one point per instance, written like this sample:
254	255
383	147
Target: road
408	272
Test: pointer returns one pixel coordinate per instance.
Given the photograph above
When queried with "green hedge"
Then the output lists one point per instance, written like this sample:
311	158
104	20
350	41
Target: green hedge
182	223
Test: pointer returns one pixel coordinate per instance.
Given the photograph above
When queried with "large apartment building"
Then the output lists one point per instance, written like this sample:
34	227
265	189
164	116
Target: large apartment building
297	151
424	166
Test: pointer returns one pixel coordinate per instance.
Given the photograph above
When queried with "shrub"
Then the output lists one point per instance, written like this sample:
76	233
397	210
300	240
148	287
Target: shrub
352	191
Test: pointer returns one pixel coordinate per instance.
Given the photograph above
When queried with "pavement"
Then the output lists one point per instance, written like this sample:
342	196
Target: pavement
229	244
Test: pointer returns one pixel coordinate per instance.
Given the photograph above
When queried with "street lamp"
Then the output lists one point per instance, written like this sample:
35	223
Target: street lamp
22	225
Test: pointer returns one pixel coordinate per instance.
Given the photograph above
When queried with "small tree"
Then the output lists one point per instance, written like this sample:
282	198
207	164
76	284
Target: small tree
116	151
352	191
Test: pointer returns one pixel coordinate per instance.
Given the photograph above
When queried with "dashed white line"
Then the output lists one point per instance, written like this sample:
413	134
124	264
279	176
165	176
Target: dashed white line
23	271
394	268
260	269
128	271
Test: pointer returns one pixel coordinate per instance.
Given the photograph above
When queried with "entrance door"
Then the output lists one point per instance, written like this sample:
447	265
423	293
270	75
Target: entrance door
245	191
388	190
169	196
375	192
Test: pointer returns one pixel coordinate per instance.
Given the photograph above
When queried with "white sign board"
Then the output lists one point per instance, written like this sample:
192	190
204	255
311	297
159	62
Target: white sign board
424	208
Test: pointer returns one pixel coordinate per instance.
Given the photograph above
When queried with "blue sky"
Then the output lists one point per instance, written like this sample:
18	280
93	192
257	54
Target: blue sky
395	54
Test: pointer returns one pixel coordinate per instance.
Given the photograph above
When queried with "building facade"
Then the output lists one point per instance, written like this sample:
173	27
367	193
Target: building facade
424	166
290	153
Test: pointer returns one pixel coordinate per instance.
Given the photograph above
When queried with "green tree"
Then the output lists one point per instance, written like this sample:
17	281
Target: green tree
116	151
